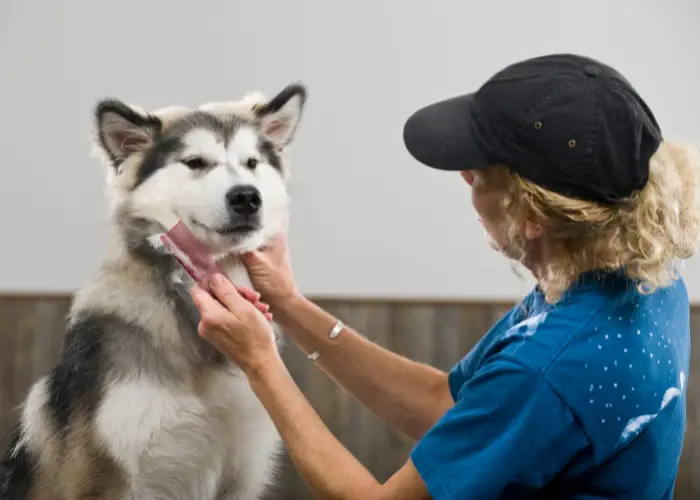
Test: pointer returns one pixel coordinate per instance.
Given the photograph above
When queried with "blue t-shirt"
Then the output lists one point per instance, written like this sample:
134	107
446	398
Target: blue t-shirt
581	400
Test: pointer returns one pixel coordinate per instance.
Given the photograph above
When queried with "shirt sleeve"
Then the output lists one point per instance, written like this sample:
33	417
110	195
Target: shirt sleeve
507	436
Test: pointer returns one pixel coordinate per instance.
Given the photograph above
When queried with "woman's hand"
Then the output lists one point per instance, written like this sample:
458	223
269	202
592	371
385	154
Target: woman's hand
270	271
254	298
234	325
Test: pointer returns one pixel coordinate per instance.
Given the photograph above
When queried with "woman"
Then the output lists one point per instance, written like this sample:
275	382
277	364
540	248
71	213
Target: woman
579	391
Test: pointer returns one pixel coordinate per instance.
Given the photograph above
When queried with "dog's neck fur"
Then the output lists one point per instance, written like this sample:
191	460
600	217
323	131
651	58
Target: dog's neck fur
135	267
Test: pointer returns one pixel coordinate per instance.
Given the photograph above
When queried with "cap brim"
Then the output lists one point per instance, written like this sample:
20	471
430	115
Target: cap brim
442	136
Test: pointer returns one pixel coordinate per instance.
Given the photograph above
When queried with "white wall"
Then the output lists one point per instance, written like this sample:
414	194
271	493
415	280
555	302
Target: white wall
368	220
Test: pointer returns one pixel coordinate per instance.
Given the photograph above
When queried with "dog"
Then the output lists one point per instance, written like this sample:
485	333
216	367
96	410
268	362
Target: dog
138	405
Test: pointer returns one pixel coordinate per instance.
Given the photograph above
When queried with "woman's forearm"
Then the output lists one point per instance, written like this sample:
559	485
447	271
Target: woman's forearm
408	395
328	469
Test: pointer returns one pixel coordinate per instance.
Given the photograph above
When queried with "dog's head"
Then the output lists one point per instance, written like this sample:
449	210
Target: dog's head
221	168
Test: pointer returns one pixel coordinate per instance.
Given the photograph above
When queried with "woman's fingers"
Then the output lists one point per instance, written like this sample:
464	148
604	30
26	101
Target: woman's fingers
248	294
214	316
253	258
254	298
228	296
263	308
205	302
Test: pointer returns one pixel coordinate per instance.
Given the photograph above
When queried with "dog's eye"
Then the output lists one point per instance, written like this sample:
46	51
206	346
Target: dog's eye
195	162
251	163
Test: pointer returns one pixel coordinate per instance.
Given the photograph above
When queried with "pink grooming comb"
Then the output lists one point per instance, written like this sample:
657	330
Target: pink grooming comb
198	262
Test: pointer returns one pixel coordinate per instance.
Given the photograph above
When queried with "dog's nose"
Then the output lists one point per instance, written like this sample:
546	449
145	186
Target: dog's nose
244	200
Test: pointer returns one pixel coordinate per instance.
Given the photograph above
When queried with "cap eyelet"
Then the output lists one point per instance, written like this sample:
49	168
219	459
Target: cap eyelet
572	143
538	125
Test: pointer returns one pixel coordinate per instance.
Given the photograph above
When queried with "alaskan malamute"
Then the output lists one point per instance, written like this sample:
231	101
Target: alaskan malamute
139	407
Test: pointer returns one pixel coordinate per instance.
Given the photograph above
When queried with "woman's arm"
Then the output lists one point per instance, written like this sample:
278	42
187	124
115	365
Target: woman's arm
408	395
239	331
328	469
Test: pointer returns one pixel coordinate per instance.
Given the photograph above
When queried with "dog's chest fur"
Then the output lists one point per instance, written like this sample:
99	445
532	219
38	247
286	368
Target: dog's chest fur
207	438
215	442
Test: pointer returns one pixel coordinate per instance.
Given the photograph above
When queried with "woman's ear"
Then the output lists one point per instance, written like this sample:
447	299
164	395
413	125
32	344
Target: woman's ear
533	230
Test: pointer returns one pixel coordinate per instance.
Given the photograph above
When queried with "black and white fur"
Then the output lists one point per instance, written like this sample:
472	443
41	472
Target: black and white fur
139	407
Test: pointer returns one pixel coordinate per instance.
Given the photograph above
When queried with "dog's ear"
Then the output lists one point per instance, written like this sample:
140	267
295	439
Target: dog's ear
279	117
122	130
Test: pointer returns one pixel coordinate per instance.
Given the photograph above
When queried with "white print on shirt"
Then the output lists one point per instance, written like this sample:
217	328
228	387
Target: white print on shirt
637	424
530	325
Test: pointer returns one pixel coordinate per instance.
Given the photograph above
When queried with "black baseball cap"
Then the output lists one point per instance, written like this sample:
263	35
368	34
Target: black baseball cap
566	122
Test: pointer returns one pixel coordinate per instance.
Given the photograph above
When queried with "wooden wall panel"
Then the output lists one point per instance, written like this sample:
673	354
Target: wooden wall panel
31	330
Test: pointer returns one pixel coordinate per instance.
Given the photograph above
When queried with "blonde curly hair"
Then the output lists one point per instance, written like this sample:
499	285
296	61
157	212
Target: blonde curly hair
647	235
